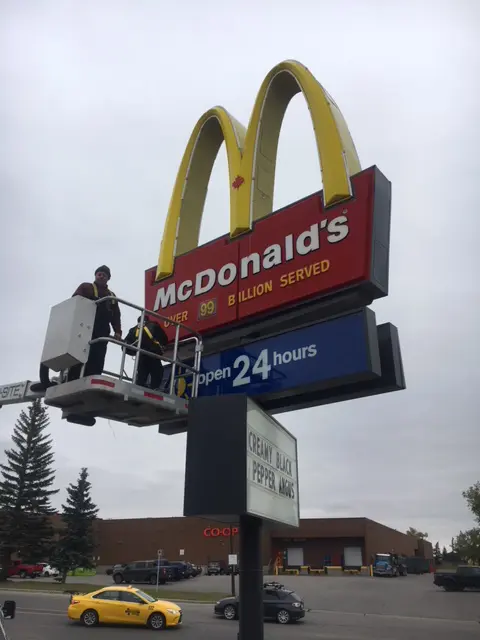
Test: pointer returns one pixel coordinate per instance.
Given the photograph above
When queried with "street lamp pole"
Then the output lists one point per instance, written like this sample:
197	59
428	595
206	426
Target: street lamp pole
159	556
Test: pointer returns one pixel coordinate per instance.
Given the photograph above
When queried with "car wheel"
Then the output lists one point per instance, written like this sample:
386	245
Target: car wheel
283	617
153	579
222	572
22	574
157	622
46	574
89	618
118	578
230	612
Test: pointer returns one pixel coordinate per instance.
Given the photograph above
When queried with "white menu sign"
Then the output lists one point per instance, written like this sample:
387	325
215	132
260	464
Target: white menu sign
272	469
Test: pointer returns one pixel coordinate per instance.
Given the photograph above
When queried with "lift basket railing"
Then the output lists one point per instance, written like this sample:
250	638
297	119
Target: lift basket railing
194	337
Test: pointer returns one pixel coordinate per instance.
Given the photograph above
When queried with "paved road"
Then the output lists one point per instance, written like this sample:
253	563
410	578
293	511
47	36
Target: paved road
42	617
411	596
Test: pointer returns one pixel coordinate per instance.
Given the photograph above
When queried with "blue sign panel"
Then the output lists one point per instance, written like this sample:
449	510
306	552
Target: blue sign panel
332	353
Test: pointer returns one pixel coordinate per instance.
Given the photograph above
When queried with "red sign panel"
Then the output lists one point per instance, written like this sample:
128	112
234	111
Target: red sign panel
298	254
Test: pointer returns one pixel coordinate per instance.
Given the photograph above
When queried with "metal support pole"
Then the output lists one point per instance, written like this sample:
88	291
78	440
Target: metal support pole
174	358
232	566
251	579
196	366
139	345
122	363
2	628
159	555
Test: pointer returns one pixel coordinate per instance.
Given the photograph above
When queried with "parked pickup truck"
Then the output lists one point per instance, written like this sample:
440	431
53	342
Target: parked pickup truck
24	570
465	577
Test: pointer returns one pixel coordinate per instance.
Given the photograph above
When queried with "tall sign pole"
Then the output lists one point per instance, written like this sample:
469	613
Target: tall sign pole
233	566
251	579
262	472
281	302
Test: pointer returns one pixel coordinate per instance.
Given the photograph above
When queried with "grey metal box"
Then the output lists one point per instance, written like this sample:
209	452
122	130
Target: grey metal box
68	333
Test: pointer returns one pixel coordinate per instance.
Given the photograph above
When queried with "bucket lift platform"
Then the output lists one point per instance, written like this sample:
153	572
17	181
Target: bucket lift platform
119	400
110	396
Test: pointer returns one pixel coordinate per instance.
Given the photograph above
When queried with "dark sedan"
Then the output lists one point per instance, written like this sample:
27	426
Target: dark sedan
279	603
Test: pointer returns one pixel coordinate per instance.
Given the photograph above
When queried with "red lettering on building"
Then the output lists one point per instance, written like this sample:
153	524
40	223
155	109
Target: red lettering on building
215	532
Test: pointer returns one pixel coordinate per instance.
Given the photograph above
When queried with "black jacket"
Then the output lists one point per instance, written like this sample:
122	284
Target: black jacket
107	313
154	338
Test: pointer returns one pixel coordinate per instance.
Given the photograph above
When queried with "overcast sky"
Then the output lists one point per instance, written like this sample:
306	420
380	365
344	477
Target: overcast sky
98	100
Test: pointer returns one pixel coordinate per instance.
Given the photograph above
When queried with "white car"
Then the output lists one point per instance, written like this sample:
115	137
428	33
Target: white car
48	571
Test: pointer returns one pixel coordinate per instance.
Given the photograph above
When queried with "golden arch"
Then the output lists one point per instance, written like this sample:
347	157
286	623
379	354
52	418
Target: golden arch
252	155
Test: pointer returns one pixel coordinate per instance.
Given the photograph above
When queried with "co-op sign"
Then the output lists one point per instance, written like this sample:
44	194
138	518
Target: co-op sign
330	241
216	532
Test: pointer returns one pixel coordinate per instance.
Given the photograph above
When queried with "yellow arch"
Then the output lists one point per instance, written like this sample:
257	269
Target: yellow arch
252	155
182	227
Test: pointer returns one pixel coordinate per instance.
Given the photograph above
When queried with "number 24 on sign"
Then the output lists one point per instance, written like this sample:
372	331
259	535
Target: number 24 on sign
261	367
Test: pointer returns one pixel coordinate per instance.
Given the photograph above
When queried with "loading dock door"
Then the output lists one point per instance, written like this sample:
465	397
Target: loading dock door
295	557
352	557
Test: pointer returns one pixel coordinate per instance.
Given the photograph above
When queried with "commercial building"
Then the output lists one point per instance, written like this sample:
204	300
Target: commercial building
316	542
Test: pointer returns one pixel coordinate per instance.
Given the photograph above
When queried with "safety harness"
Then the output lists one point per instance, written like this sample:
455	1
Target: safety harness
95	293
149	334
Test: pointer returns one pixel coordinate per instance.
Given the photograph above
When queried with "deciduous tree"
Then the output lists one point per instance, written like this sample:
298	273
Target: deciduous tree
472	496
416	533
467	545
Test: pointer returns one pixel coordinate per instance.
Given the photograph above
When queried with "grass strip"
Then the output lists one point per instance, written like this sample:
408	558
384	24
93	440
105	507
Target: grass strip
162	593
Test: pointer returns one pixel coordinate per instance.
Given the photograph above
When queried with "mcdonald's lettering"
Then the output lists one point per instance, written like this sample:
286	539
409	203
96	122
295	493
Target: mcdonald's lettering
331	241
272	256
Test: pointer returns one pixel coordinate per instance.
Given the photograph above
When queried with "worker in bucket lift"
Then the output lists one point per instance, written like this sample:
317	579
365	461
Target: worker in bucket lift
108	313
154	340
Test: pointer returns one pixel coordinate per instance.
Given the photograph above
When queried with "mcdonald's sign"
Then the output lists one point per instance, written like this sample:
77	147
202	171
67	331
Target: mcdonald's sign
330	243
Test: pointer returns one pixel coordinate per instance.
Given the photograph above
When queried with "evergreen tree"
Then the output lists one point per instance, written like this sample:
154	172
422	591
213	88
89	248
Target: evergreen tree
444	552
26	489
453	545
76	545
437	554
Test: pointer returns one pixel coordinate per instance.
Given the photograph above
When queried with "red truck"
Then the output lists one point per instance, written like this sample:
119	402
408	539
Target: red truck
24	570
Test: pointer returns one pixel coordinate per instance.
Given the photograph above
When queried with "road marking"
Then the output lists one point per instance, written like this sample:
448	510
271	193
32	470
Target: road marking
42	612
393	616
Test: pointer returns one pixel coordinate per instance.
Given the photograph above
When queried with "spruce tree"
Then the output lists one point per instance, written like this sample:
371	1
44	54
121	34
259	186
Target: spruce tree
26	483
76	546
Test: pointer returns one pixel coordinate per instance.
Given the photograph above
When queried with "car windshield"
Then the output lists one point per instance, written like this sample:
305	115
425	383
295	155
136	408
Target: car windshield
145	596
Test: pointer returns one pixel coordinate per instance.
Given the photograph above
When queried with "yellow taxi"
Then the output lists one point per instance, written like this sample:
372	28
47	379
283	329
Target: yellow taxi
124	605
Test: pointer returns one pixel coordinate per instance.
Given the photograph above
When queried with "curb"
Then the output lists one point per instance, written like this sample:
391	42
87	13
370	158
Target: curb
61	593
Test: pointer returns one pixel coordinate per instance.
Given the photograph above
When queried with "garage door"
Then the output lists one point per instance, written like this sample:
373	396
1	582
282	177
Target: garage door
295	557
352	557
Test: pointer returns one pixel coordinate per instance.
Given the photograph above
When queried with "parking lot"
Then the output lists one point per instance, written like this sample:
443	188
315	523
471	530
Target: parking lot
342	608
